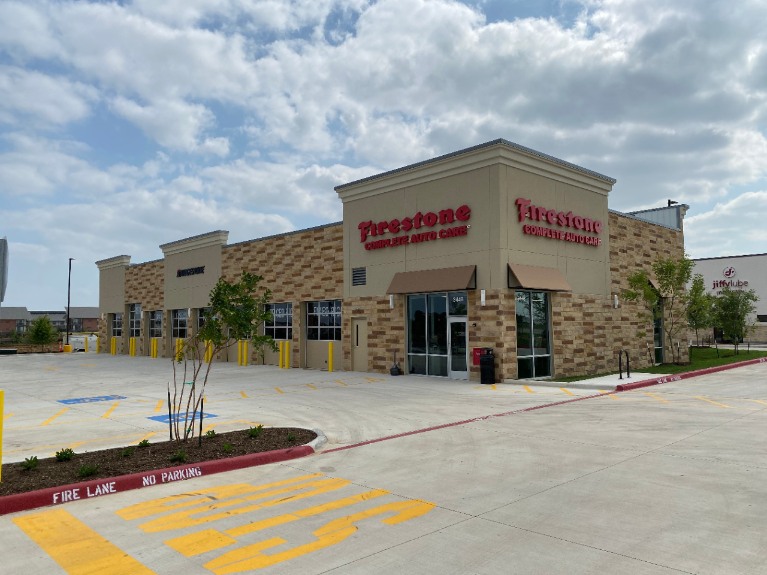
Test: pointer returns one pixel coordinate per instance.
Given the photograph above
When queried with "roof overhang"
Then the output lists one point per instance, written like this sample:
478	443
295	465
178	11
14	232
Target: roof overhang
534	277
426	281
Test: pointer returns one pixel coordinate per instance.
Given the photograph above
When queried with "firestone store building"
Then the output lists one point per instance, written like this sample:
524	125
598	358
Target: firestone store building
495	246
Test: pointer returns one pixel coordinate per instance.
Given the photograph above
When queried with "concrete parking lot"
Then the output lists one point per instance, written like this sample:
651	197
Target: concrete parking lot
668	479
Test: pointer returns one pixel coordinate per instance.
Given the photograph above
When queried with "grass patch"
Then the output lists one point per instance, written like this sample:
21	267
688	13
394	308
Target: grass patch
706	357
701	359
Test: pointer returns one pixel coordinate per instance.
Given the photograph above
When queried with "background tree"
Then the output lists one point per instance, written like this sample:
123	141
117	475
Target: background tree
42	332
733	313
235	313
672	277
699	306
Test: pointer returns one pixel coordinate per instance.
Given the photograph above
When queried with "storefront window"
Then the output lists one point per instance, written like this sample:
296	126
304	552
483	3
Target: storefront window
202	315
658	332
323	320
178	323
533	335
155	324
281	324
117	325
134	320
428	318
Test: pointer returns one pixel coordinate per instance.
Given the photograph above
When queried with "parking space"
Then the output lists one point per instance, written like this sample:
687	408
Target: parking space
632	484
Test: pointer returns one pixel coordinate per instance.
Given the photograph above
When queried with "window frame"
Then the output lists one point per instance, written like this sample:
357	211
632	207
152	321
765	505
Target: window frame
316	328
134	320
271	327
175	322
117	324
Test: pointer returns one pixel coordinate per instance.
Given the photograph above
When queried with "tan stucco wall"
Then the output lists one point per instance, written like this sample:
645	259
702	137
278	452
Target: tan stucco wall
112	290
191	291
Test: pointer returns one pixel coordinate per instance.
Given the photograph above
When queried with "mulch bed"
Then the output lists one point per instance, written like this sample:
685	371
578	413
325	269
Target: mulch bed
52	473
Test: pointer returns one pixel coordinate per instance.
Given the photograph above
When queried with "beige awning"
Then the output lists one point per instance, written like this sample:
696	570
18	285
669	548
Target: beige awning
534	277
445	279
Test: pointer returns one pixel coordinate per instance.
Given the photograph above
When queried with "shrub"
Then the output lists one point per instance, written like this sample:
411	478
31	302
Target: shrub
88	470
65	454
127	452
291	437
210	433
143	443
228	447
178	457
254	432
30	463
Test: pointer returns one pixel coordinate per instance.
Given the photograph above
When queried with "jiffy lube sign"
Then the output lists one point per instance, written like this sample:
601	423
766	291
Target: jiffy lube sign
420	222
528	210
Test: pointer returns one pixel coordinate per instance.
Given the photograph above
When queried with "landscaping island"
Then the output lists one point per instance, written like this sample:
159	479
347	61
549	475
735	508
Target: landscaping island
52	472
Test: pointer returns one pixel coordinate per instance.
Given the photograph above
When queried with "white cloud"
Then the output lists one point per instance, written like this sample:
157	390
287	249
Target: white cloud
732	227
32	97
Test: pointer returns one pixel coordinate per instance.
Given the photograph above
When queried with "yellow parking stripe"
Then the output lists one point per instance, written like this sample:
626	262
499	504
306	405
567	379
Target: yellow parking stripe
714	402
756	400
310	386
7	415
77	548
159	406
279	390
110	410
47	421
147	436
528	389
612	395
658	398
242	393
567	392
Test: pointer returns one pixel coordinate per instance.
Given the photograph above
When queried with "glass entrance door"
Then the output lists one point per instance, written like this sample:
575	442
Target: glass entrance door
533	341
458	367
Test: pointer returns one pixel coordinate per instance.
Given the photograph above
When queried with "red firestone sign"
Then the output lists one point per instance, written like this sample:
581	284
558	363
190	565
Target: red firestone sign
419	220
528	210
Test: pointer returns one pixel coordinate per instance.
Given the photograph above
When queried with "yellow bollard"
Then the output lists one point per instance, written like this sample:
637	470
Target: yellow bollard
97	345
208	352
287	354
2	414
244	352
86	344
114	346
330	356
179	348
281	345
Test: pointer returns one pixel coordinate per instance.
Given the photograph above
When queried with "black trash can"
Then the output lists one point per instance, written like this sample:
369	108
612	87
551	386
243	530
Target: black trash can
486	365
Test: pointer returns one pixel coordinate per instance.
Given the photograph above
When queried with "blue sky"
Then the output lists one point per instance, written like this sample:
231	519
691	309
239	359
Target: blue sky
124	125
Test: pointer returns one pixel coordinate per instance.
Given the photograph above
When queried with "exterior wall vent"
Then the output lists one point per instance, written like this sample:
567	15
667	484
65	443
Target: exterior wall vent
359	276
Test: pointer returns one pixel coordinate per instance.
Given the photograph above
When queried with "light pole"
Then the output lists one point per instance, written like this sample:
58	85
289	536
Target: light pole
69	292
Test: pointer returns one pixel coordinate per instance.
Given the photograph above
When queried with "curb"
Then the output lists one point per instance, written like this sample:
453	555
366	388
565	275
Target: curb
688	374
109	485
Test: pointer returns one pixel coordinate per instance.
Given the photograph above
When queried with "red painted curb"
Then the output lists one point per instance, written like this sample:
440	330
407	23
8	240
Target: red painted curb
99	487
688	374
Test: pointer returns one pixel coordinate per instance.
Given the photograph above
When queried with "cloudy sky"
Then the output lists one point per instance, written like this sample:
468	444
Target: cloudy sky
124	125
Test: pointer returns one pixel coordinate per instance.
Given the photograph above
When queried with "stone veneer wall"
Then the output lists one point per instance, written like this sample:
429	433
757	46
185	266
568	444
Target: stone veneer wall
145	284
305	266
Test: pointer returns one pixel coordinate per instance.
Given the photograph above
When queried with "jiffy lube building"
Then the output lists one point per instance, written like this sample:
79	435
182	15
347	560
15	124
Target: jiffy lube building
496	246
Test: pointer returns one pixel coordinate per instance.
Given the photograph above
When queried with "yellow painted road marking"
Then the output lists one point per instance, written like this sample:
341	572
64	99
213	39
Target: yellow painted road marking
756	400
47	421
341	382
714	402
250	557
528	389
242	393
279	390
56	445
612	395
495	388
200	542
51	368
566	391
147	436
87	365
110	410
159	405
310	386
658	398
7	415
77	548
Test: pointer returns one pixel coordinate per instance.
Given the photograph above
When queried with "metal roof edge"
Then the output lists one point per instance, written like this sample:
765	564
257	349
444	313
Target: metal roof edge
627	215
194	238
728	257
479	147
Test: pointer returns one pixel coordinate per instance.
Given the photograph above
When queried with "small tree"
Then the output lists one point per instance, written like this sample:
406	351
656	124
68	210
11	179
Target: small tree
699	306
672	277
733	313
235	313
42	332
